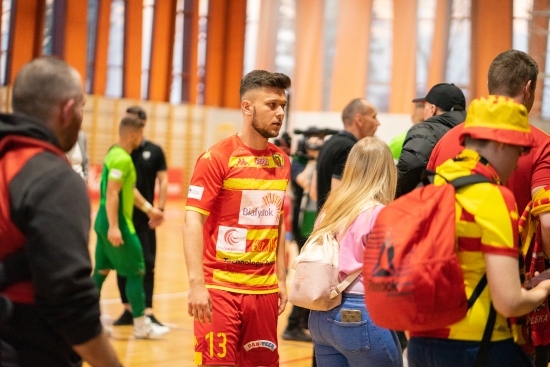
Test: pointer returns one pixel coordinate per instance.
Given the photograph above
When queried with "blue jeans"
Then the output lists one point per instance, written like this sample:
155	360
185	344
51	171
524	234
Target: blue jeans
433	352
352	344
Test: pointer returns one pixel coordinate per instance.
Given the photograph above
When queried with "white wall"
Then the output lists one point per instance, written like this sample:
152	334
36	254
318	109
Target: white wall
391	124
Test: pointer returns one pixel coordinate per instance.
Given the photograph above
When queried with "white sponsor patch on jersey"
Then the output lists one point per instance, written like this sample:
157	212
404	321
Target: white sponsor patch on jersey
195	192
260	344
261	207
146	154
231	239
115	173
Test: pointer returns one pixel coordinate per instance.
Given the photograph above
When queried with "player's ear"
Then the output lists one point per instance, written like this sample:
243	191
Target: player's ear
246	106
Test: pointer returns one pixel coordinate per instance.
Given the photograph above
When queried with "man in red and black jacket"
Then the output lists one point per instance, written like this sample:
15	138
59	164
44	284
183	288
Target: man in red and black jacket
45	215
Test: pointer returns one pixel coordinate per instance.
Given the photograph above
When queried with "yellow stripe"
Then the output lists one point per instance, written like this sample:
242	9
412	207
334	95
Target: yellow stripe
468	228
244	279
198	210
260	234
252	162
250	184
248	256
243	291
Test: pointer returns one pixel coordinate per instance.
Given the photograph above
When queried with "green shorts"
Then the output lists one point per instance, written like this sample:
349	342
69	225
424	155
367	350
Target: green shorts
126	259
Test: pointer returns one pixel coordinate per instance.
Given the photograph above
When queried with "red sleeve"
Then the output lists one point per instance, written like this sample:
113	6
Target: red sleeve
206	182
446	148
541	160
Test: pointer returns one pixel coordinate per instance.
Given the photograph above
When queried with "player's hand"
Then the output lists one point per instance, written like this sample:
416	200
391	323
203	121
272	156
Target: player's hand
156	217
282	297
199	304
114	236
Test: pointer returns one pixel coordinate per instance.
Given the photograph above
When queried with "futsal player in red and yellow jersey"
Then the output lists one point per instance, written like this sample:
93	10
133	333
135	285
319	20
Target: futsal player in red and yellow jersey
234	234
496	133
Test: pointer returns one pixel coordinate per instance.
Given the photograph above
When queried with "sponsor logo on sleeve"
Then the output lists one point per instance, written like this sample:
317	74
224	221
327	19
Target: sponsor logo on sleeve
231	239
260	344
115	173
260	207
195	192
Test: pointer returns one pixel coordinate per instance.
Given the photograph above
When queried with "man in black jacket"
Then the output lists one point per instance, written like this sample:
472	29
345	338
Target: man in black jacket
45	212
444	108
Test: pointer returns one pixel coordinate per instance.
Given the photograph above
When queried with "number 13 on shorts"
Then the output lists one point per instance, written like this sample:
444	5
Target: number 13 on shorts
216	343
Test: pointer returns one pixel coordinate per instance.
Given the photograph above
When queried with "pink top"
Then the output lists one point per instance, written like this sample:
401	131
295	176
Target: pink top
352	244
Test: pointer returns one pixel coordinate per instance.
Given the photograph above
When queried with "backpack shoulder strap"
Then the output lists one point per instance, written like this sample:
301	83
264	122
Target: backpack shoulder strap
477	290
469	180
481	357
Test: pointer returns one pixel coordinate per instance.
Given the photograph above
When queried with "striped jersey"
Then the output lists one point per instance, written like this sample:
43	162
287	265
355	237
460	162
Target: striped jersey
241	191
486	222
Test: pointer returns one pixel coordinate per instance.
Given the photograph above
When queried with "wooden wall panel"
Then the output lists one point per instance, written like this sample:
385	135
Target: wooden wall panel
160	74
403	79
491	35
26	36
350	67
99	84
307	82
133	29
440	43
76	31
267	35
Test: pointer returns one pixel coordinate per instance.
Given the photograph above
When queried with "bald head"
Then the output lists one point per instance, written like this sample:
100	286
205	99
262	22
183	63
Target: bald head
43	84
356	106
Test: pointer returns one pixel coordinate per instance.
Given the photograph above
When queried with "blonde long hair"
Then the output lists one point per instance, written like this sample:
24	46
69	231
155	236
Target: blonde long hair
369	178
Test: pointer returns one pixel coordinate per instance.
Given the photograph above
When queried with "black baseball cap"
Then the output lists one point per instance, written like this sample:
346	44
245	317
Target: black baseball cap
444	96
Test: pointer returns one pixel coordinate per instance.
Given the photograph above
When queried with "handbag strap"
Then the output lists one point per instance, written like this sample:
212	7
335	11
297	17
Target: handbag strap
344	284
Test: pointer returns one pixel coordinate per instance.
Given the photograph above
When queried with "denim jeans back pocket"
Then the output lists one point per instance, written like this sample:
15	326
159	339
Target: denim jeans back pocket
351	336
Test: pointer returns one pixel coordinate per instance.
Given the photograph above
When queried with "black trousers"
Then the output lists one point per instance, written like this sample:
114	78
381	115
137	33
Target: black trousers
148	239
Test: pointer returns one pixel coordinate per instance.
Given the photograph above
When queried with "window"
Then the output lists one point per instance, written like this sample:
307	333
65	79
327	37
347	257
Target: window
425	32
115	54
176	89
380	54
93	8
146	39
5	40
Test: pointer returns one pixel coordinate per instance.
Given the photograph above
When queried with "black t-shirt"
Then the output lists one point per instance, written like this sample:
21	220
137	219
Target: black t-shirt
149	160
331	161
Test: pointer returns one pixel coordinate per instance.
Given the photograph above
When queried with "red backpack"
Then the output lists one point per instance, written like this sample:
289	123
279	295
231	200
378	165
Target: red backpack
412	277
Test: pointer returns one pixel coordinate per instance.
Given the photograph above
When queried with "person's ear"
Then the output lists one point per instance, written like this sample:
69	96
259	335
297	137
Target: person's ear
67	111
357	119
527	90
246	106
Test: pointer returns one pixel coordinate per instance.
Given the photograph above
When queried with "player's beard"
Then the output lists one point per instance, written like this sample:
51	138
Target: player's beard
262	131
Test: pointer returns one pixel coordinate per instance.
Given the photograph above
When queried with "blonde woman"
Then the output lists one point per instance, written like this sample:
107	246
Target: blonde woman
345	335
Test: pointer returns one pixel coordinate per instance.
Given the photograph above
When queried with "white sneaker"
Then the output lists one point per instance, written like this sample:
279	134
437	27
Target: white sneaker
149	330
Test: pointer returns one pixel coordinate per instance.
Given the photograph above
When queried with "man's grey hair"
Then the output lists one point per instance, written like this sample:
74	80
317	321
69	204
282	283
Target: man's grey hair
42	84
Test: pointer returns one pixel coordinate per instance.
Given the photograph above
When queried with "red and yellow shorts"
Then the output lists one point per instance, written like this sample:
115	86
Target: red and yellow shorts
243	331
